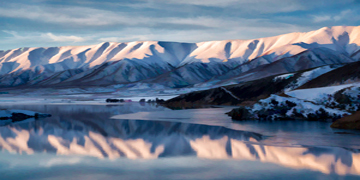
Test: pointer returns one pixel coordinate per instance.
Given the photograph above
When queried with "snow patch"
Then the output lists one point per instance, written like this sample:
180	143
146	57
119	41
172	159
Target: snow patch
312	94
286	108
284	76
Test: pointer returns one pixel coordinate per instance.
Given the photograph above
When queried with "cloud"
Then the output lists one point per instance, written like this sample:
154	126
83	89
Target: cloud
222	3
253	6
13	33
64	38
217	29
239	30
81	16
343	15
141	15
322	18
45	36
85	17
111	39
56	23
128	38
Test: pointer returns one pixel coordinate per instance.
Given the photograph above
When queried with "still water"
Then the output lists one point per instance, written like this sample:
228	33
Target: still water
144	141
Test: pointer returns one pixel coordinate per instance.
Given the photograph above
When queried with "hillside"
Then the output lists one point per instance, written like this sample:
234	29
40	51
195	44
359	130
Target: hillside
248	93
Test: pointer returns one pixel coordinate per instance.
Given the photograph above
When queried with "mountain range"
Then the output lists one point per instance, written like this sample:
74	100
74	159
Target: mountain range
174	64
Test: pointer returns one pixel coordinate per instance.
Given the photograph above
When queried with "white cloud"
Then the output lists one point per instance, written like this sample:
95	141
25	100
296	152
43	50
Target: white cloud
343	15
222	3
64	38
238	30
322	18
253	6
129	38
40	39
13	33
111	39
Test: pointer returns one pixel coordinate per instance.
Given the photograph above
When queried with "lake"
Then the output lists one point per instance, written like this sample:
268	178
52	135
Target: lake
147	141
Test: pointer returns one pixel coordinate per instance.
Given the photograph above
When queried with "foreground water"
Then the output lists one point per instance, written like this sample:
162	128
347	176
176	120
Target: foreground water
144	141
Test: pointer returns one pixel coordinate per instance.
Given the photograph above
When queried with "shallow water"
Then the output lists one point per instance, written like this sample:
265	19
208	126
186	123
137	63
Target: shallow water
152	142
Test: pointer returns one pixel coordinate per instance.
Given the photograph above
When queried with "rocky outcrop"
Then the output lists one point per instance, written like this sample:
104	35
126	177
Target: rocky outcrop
348	122
240	113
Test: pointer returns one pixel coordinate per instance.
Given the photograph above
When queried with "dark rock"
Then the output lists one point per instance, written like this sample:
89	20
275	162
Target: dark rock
20	116
297	115
159	100
240	113
342	98
109	100
274	102
38	115
290	104
5	118
344	133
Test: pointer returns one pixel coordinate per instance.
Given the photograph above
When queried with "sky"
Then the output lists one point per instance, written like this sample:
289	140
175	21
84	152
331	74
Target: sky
46	23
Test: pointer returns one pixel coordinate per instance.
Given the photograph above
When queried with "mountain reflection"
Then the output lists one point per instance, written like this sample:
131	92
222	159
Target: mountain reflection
155	139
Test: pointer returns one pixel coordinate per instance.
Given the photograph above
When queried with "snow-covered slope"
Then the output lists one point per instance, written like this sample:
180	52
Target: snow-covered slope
178	64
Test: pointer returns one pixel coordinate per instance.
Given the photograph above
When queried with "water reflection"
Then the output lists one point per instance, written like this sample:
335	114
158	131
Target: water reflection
115	138
150	139
90	132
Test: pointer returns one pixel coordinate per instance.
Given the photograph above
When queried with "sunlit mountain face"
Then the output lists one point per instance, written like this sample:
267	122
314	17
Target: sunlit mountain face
78	131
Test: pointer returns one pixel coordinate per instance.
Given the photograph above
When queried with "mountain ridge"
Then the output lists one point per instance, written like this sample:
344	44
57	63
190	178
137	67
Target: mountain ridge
187	64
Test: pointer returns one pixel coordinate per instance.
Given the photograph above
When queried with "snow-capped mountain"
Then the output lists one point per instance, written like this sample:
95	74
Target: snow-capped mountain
176	64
